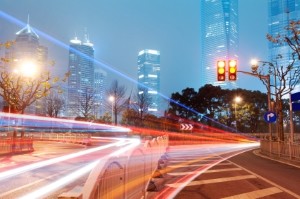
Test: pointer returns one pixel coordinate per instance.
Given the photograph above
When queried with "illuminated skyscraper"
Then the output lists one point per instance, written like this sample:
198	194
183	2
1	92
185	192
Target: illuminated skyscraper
219	38
28	49
149	76
280	13
81	79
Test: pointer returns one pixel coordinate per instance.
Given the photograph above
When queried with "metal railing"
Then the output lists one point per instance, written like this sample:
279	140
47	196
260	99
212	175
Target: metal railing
285	150
128	175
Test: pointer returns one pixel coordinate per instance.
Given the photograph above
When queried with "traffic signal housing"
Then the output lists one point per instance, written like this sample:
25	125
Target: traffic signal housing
221	65
232	70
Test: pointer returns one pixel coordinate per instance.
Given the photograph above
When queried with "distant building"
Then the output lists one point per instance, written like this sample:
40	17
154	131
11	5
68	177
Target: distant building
99	87
219	38
281	12
149	76
83	79
28	49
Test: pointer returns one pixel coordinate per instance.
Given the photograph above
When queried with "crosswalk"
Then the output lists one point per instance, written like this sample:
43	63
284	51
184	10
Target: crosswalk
205	173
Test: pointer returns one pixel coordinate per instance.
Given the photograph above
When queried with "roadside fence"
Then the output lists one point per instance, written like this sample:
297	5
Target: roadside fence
280	149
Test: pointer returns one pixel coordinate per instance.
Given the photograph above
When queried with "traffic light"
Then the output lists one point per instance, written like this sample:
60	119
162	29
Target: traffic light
221	70
232	69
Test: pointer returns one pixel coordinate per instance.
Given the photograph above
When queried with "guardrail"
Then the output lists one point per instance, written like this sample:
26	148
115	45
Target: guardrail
15	145
285	150
124	176
76	138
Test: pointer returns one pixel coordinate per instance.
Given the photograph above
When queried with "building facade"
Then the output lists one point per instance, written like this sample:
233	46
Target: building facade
219	39
281	12
149	78
27	49
81	79
85	83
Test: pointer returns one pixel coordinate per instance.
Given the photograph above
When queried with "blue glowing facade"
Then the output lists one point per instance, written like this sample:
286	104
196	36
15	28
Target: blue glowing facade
219	38
149	76
82	77
281	12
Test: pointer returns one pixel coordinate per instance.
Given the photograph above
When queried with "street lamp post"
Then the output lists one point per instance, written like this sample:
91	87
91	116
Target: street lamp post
254	67
236	101
112	99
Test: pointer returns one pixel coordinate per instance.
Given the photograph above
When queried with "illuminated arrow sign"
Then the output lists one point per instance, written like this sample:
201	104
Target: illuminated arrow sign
186	127
270	117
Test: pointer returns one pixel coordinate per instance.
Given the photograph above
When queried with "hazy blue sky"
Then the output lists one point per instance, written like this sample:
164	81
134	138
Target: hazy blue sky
119	29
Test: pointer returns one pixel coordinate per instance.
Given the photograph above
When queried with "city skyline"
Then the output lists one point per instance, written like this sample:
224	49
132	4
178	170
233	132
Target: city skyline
117	40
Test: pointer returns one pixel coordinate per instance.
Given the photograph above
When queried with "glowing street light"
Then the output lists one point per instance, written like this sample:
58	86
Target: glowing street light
237	100
112	100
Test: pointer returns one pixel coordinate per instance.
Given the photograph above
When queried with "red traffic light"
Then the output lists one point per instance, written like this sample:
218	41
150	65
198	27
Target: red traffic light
232	70
221	65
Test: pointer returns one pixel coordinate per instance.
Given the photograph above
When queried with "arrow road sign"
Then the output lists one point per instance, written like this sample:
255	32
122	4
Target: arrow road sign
270	117
186	127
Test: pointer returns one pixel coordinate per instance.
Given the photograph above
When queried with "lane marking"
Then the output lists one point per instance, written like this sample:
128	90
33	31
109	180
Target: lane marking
196	165
268	181
199	172
256	194
211	181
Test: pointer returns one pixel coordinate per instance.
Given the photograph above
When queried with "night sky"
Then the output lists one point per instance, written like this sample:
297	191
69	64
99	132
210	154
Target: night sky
119	29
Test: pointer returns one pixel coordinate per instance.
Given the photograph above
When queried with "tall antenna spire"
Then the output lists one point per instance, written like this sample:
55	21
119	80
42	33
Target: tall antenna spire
28	19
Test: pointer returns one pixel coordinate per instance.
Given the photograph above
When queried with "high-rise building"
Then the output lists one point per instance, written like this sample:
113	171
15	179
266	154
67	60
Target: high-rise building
28	49
81	79
281	12
149	78
99	87
219	39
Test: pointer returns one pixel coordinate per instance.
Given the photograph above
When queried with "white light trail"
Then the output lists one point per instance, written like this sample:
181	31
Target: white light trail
42	192
14	172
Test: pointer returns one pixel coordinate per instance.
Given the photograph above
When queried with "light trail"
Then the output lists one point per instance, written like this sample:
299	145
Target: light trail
42	192
17	171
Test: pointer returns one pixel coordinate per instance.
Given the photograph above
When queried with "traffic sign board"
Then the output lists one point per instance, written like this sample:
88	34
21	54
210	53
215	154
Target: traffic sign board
270	117
186	127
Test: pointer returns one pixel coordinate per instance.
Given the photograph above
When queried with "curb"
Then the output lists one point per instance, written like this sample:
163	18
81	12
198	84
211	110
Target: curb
283	161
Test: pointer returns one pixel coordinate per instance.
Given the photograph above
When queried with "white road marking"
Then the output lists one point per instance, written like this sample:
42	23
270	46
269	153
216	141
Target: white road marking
199	172
211	181
256	194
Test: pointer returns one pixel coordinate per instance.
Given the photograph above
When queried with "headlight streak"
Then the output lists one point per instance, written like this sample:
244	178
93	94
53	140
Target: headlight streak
14	172
171	192
77	174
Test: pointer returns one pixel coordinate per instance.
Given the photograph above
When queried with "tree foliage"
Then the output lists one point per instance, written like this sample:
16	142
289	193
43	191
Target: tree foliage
18	88
212	105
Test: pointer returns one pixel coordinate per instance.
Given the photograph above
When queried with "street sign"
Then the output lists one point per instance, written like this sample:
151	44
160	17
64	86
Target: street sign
186	127
270	117
295	97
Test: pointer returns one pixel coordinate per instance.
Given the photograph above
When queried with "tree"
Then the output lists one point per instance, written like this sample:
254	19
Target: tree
86	103
285	74
119	102
143	101
54	103
18	88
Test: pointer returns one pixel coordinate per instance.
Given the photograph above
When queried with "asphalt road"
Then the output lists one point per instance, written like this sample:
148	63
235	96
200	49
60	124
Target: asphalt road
283	175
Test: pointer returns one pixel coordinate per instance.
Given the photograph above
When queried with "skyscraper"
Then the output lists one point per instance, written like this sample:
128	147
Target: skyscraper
81	79
149	76
219	38
281	12
28	49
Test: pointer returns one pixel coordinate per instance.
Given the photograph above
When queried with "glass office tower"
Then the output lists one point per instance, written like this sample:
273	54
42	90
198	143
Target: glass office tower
219	39
149	76
281	12
81	79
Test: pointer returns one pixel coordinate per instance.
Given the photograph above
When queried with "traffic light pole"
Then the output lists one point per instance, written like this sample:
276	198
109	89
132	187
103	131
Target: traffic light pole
267	78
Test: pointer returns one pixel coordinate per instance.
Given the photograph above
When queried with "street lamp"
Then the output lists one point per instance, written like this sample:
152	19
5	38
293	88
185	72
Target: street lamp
254	67
112	99
236	101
